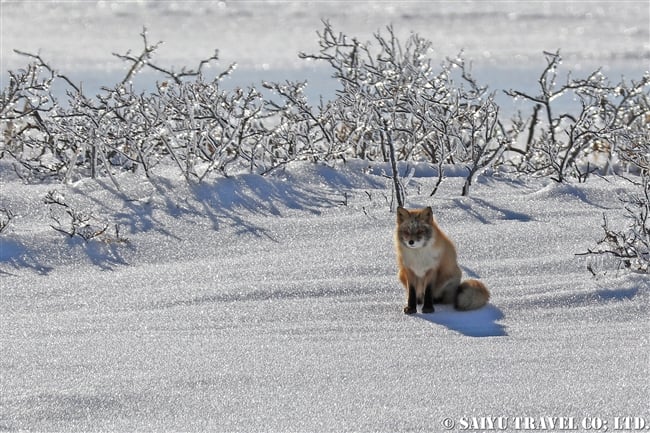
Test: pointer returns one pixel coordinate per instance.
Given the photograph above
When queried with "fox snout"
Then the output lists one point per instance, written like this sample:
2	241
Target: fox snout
414	242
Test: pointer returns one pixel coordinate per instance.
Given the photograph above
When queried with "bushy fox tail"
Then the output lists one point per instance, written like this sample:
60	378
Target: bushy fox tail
471	294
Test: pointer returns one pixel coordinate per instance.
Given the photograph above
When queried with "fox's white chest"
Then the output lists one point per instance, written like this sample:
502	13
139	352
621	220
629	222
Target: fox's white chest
421	260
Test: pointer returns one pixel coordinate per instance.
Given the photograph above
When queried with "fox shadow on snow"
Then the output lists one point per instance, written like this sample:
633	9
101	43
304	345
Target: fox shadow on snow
476	323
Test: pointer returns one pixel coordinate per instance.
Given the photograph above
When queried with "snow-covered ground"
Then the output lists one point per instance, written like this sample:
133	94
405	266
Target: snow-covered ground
271	303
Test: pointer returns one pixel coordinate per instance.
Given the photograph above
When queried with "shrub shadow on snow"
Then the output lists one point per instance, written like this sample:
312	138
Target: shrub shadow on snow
258	194
617	294
473	207
577	300
79	406
600	296
233	201
104	255
477	323
138	215
17	255
223	201
256	295
565	192
227	200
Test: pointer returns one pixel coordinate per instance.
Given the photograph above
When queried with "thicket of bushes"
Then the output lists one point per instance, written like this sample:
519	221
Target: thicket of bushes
393	104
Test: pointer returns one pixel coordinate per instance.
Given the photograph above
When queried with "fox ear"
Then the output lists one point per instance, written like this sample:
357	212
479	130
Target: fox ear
402	214
427	214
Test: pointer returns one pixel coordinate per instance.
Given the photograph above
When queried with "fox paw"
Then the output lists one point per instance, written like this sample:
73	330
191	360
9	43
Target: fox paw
410	310
428	310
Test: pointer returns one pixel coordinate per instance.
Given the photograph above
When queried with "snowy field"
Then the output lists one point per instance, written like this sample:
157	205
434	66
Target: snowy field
271	304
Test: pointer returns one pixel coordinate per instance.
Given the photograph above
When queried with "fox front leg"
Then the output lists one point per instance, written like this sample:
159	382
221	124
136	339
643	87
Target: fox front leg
411	301
427	307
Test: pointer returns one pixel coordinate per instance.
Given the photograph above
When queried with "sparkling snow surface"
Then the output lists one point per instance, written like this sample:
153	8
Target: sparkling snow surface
271	304
266	304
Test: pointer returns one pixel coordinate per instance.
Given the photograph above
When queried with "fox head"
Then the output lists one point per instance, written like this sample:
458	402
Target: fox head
414	227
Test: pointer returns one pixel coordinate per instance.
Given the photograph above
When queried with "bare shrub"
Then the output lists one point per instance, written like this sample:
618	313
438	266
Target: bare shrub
572	140
5	218
629	246
24	108
391	93
393	103
79	224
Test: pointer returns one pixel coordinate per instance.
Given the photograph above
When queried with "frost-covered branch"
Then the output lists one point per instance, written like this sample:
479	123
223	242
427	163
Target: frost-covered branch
5	218
144	59
390	91
630	246
78	224
574	140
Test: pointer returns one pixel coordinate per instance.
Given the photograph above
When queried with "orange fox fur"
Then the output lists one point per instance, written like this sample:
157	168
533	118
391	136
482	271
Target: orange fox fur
428	266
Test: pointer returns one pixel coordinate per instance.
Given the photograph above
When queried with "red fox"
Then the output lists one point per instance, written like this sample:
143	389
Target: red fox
428	266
